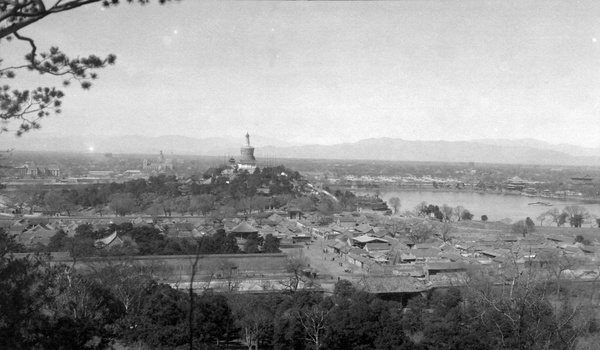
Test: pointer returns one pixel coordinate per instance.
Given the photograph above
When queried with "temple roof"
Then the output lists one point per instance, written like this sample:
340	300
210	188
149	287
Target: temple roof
244	227
106	240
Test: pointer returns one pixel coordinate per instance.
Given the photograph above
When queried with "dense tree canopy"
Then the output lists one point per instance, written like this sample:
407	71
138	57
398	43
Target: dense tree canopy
146	240
163	194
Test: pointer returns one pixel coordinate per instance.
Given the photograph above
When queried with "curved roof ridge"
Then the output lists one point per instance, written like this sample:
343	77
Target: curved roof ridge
106	240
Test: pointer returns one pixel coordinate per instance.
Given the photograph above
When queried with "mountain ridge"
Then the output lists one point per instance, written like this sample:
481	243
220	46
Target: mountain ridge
438	151
529	142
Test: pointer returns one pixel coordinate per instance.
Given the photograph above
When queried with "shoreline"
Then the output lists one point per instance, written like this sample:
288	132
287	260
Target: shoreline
385	189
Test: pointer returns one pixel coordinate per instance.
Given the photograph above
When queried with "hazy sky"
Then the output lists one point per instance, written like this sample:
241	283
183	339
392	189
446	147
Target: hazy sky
329	72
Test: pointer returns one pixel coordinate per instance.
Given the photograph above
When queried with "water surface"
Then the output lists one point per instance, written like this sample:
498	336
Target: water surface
495	206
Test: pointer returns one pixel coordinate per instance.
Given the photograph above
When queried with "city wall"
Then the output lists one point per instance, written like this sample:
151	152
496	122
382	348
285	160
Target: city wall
177	268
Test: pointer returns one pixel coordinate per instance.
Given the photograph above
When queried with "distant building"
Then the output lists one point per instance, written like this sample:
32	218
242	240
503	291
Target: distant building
161	164
241	232
247	160
586	180
530	191
515	184
101	173
53	169
34	170
131	172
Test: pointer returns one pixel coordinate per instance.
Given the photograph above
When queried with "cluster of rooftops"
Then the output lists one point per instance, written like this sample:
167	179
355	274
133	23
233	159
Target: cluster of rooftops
367	244
362	240
34	230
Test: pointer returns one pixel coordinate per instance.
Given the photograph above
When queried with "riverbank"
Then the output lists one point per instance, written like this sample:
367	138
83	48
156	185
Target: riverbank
396	188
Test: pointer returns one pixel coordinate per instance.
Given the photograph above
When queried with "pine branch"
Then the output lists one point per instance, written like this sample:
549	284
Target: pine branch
30	106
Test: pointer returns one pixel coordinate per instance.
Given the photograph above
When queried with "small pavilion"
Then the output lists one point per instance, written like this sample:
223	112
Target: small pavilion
243	230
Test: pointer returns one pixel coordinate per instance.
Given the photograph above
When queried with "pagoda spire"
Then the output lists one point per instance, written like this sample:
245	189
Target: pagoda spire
247	160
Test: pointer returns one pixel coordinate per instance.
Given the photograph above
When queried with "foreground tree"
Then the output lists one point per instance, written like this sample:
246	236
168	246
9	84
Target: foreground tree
517	308
46	306
576	215
530	224
126	284
24	198
314	321
20	301
556	216
577	220
160	319
521	228
203	203
395	204
395	226
122	203
60	201
364	322
253	317
466	215
448	212
444	230
458	211
271	244
295	264
422	232
542	217
420	209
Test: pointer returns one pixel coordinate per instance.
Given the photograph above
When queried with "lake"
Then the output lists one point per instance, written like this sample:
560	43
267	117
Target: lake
495	206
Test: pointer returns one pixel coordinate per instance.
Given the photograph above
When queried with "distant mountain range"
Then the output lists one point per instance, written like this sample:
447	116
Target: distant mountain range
480	151
532	143
522	151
